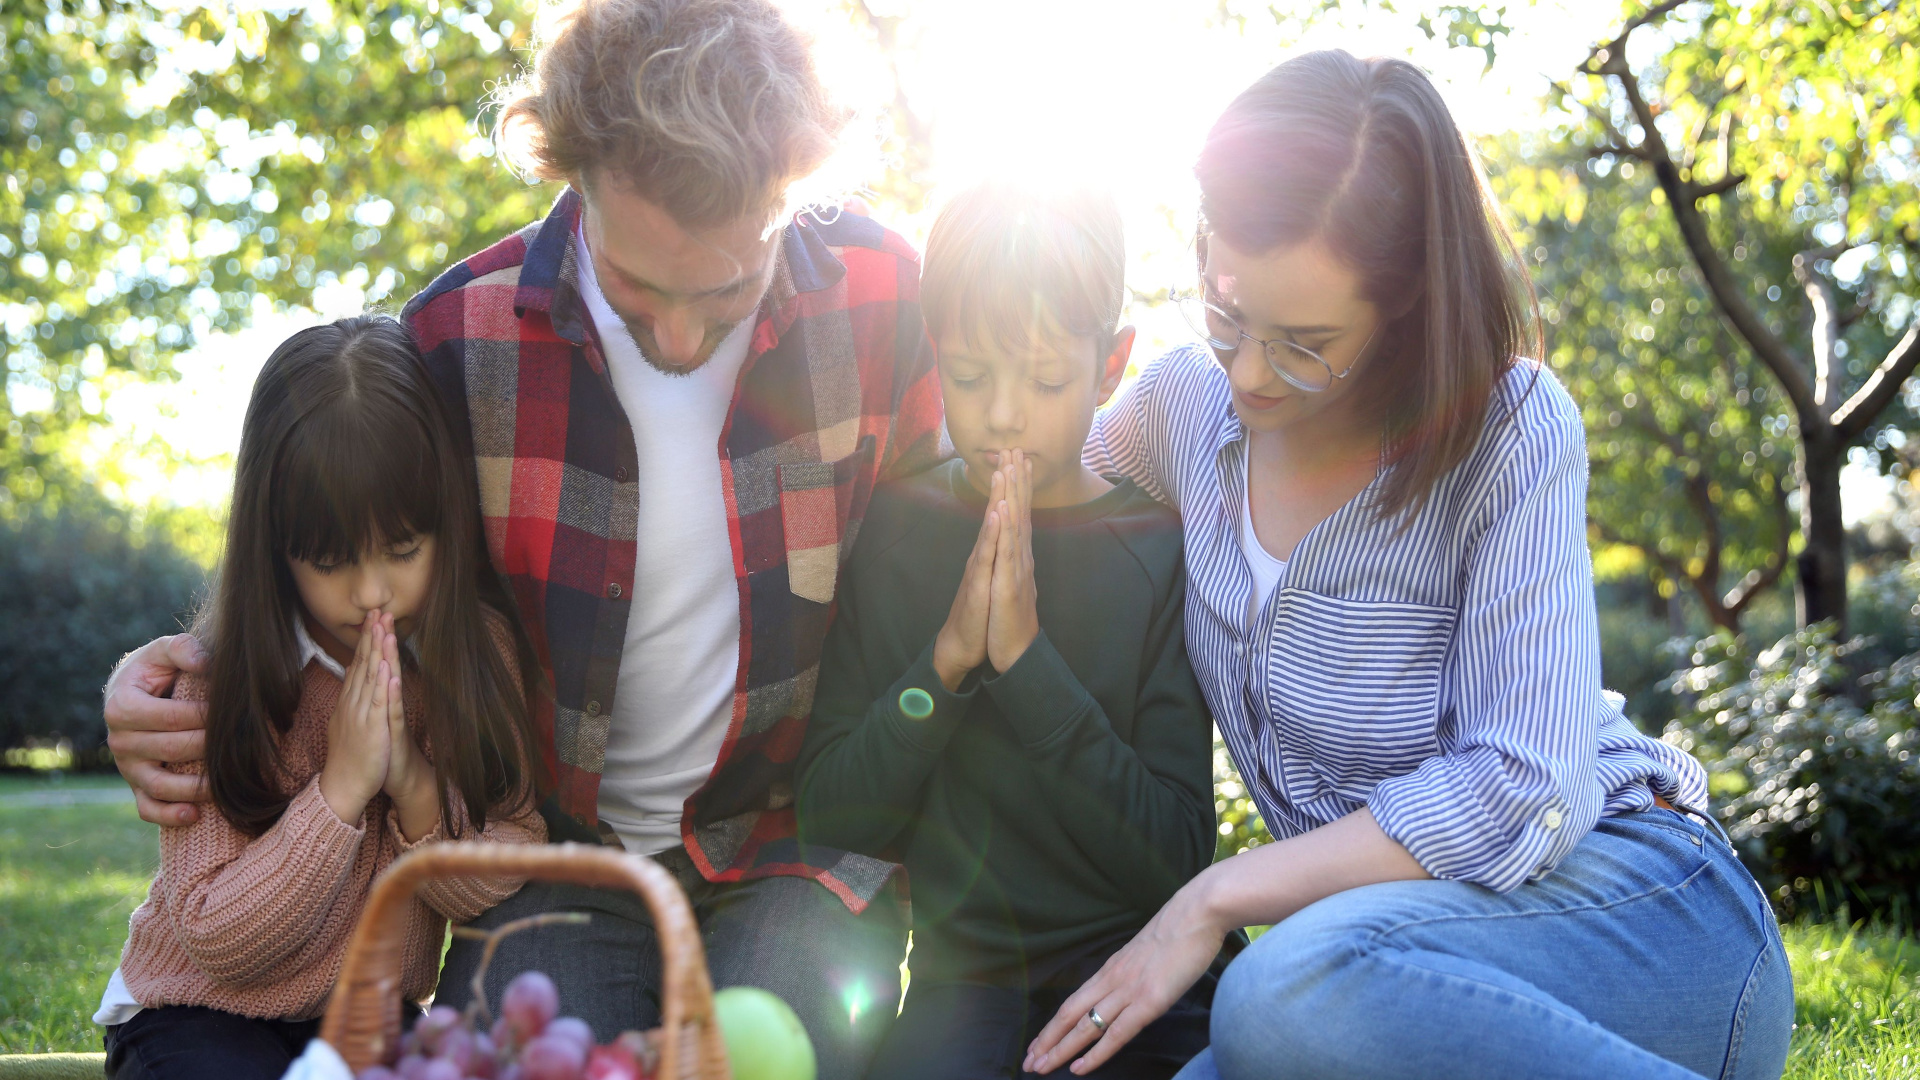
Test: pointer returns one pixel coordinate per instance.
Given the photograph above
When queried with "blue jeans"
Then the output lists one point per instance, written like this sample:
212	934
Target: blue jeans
1649	952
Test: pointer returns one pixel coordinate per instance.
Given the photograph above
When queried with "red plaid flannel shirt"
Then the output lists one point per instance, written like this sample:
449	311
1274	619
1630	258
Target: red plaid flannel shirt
838	393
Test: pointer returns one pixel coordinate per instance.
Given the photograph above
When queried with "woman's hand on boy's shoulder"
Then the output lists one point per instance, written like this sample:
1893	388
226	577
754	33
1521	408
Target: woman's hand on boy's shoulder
146	728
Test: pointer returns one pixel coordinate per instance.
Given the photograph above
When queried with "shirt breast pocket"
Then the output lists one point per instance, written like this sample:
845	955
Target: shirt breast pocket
1354	688
818	500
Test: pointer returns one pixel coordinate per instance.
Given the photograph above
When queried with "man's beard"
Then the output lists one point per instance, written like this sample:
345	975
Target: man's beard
650	349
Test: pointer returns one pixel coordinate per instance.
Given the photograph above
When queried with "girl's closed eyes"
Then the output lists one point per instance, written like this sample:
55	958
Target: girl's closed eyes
338	594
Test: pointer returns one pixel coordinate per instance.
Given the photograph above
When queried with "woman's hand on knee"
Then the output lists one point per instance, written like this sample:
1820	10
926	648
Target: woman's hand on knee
1135	987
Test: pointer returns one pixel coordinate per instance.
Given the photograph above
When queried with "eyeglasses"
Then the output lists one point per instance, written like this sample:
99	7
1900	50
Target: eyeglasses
1300	366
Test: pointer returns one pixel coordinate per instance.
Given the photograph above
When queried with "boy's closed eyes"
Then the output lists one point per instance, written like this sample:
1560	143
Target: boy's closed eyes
1038	399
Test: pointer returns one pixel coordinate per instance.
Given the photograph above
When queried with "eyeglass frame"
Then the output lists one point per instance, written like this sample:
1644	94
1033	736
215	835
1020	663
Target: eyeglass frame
1224	349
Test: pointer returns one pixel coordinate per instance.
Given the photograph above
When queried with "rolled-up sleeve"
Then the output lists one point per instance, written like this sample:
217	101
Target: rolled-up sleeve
1514	787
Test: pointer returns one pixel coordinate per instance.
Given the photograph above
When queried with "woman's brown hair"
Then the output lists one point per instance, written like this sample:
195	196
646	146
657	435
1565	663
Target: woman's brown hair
345	447
1363	156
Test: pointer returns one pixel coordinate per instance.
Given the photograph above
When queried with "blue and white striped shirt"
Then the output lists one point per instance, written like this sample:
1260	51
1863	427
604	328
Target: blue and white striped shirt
1446	675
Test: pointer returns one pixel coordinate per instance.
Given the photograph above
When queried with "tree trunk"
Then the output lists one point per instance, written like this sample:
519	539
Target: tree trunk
1822	589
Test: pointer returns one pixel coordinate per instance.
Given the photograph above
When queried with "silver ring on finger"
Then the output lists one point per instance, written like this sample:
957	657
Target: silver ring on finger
1093	1017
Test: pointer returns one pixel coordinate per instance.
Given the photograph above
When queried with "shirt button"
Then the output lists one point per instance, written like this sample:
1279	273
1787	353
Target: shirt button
593	708
1551	819
613	590
620	473
1239	649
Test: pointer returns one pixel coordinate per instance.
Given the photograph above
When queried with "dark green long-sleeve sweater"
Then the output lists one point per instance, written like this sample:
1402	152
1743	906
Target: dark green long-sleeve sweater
1040	811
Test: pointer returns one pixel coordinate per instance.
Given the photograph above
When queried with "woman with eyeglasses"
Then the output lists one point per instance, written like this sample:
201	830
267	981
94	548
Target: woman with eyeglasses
1480	867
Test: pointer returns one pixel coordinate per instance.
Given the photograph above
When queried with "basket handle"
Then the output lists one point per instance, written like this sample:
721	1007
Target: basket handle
359	1020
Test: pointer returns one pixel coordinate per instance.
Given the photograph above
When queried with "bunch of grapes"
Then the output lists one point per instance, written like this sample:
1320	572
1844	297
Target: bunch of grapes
530	1041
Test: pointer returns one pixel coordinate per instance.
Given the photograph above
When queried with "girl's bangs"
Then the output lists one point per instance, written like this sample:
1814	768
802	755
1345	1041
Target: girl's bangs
354	476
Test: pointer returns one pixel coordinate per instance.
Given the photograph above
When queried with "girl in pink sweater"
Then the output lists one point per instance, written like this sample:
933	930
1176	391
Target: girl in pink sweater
364	696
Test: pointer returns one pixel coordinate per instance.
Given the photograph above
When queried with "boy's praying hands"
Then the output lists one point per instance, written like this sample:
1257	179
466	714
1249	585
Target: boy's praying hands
994	615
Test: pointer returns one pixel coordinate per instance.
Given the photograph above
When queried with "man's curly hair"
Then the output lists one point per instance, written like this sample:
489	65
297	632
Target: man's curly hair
710	109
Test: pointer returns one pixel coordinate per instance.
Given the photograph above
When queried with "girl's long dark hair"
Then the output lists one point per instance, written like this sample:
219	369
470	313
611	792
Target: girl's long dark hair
1364	156
345	447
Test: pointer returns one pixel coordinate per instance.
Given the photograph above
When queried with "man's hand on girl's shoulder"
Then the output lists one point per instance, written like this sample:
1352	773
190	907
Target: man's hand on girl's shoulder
146	728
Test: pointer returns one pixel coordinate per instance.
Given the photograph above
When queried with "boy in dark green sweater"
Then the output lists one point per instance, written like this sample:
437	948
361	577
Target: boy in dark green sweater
1005	705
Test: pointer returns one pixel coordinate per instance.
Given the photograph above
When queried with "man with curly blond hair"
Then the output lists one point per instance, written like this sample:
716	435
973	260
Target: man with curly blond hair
680	388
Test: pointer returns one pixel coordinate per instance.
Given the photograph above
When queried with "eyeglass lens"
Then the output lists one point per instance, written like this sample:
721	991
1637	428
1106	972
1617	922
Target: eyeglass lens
1295	363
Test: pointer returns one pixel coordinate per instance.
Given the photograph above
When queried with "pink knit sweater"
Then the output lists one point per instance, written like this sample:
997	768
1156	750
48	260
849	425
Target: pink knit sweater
259	926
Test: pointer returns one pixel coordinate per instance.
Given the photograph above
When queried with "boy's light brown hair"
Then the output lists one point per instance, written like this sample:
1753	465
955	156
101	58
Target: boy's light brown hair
1021	267
708	108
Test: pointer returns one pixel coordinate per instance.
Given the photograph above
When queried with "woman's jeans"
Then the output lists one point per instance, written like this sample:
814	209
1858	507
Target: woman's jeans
1649	952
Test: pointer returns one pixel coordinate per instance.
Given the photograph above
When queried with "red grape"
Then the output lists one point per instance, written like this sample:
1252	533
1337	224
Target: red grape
482	1064
433	1028
550	1058
530	1002
528	1042
457	1046
614	1062
573	1029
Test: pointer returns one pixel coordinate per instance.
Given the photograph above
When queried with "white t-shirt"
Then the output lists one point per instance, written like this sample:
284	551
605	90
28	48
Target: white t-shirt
675	696
1267	570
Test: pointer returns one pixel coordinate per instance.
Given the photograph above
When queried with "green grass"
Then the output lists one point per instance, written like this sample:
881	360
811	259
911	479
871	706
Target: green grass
1855	989
70	876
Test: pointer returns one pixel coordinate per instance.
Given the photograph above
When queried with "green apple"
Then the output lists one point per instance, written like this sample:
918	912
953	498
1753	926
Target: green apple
764	1038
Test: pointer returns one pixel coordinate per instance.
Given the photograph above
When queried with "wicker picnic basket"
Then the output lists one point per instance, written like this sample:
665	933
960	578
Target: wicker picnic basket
362	1017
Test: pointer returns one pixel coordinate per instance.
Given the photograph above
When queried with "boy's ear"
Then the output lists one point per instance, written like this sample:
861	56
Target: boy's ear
1114	367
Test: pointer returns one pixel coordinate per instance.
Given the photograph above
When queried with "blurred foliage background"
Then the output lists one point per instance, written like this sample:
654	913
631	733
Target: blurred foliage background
1715	199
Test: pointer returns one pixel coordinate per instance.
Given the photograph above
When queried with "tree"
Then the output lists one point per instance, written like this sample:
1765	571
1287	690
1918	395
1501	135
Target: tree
172	171
1689	465
1795	120
910	142
83	588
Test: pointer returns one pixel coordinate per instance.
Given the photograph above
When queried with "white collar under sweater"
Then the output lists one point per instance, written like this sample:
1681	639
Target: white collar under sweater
310	651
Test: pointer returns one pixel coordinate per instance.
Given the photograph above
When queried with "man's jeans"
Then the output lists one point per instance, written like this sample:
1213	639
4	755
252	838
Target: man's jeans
839	971
1649	952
